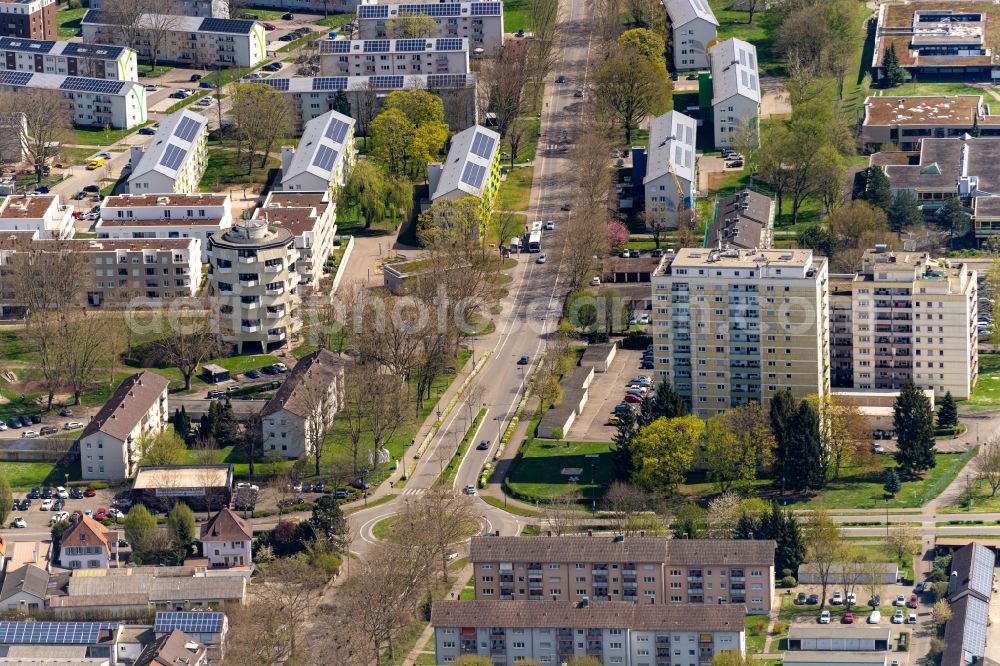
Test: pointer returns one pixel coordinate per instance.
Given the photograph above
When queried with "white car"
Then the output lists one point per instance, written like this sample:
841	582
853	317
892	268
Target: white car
897	617
875	617
470	489
878	448
824	617
3	426
72	425
18	522
595	281
838	598
59	517
62	493
900	601
116	514
280	367
911	618
541	259
29	433
644	320
645	380
46	505
550	225
851	599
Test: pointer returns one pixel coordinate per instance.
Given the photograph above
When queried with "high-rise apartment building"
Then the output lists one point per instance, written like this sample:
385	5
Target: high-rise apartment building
33	19
733	326
910	317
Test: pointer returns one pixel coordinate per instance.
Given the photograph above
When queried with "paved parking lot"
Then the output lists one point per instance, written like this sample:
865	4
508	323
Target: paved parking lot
606	391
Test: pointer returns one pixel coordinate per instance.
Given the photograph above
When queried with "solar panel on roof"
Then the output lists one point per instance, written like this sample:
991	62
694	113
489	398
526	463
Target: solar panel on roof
473	174
173	156
485	9
325	158
411	44
234	26
982	569
196	622
337	46
448	44
373	11
53	633
337	130
482	145
330	83
100	86
386	81
376	46
14	78
440	9
277	84
187	129
446	80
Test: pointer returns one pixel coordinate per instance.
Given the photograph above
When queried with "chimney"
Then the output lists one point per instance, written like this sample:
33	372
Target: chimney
548	533
590	533
497	533
953	583
684	536
750	535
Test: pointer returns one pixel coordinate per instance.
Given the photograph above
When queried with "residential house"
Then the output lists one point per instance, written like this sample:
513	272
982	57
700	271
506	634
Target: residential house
32	19
35	553
613	632
311	394
671	173
173	649
323	158
93	102
226	539
694	28
24	589
99	639
479	22
472	169
207	627
735	91
357	57
743	221
109	444
312	219
84	545
96	61
40	213
174	160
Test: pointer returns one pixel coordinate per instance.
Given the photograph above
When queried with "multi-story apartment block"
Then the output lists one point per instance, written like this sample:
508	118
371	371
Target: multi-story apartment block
736	325
479	22
190	40
638	569
842	330
312	219
145	216
254	285
694	28
85	545
472	169
312	96
910	317
735	90
323	158
906	121
95	61
174	160
32	19
115	272
614	633
41	213
199	8
311	396
94	102
671	172
938	39
358	57
109	444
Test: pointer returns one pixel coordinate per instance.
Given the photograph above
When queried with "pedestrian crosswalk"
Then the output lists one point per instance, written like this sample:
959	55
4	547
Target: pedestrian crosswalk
412	491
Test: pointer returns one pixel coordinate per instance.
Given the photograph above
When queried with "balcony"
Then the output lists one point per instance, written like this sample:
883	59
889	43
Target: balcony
247	260
275	337
224	269
275	292
275	314
250	328
249	283
695	579
272	268
250	306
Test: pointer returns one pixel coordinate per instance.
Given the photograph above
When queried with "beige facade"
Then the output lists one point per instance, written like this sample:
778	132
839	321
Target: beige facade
733	326
312	219
254	285
911	317
647	570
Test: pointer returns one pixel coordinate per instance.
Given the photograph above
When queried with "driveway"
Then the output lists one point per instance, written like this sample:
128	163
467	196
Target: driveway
606	391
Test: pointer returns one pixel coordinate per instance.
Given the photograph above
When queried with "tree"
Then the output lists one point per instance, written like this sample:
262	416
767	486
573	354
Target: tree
628	510
913	420
690	522
780	414
940	613
40	121
667	402
663	452
501	87
877	190
843	427
181	422
188	344
625	431
295	586
320	400
647	44
128	20
517	134
258	632
330	523
368	101
390	133
723	515
891	483
947	412
729	462
952	216
894	74
341	104
631	88
182	525
732	657
824	547
988	465
158	26
902	541
808	457
140	524
904	212
261	115
409	25
85	344
161	448
450	223
6	500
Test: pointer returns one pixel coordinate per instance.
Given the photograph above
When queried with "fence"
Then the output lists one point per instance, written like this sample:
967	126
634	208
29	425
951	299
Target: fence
342	265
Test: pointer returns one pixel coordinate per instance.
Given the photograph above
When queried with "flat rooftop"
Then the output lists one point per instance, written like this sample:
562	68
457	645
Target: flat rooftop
296	220
898	28
132	200
741	258
892	110
184	476
316	199
25	207
213	222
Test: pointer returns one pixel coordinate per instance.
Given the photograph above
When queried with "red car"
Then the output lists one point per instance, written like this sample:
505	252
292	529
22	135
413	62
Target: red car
89	492
269	26
632	398
848	618
101	514
913	602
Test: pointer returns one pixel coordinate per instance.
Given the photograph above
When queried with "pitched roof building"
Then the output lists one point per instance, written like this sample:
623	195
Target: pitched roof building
84	545
173	649
226	540
670	181
735	90
175	158
24	589
694	27
323	157
472	169
743	220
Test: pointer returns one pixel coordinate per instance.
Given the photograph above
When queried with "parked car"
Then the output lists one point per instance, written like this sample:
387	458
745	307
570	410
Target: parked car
25	421
101	514
195	77
735	164
911	618
897	617
41	189
34	494
341	493
215	394
47	430
838	598
280	367
91	188
875	617
875	601
72	425
66	411
62	493
19	523
75	493
560	79
800	599
470	489
286	38
252	374
919	588
595	281
851	599
900	601
206	84
46	505
484	445
848	618
29	433
550	225
116	514
25	504
286	16
13	422
824	617
3	426
878	448
35	418
578	92
89	492
270	26
914	601
631	397
145	131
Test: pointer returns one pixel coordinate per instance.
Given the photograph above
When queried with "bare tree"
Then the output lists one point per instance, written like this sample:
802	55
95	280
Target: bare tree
367	108
158	26
855	566
501	86
47	280
873	578
128	17
294	586
40	120
321	396
902	541
517	133
560	514
190	343
85	350
824	547
42	330
258	633
506	226
261	116
437	520
988	464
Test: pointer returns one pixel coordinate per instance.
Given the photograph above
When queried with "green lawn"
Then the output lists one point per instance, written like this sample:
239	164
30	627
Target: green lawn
25	475
69	22
734	24
756	631
516	16
98	137
930	88
537	472
235	365
529	145
147	69
334	20
987	392
225	169
383	528
515	190
510	508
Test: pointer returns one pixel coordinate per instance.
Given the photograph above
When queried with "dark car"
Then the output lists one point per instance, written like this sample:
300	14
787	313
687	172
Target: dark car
735	164
646	365
46	493
566	206
813	599
524	360
341	493
178	95
285	38
560	79
875	601
91	188
307	487
195	77
215	393
58	504
692	77
83	195
919	588
206	84
13	422
252	374
25	504
35	418
360	485
42	189
66	411
47	430
286	17
484	445
75	493
673	76
800	599
269	370
34	494
25	421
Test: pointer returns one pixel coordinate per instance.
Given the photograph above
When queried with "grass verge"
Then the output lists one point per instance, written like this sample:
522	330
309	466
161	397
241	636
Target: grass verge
509	508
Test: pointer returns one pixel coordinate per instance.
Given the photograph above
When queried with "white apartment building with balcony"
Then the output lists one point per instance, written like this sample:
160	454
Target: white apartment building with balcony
174	160
109	444
480	22
733	326
41	213
671	169
312	219
146	216
735	90
254	285
694	27
94	102
357	57
199	8
96	61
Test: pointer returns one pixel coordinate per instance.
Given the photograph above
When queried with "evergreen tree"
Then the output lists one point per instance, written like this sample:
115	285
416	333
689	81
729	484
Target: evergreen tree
621	453
947	412
746	527
328	521
877	191
891	484
894	74
975	126
341	104
781	526
913	421
645	415
690	522
903	211
667	402
953	217
182	525
782	411
807	457
227	429
182	423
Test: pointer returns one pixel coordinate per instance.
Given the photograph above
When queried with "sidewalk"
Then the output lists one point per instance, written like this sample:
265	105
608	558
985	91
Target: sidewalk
461	578
493	487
